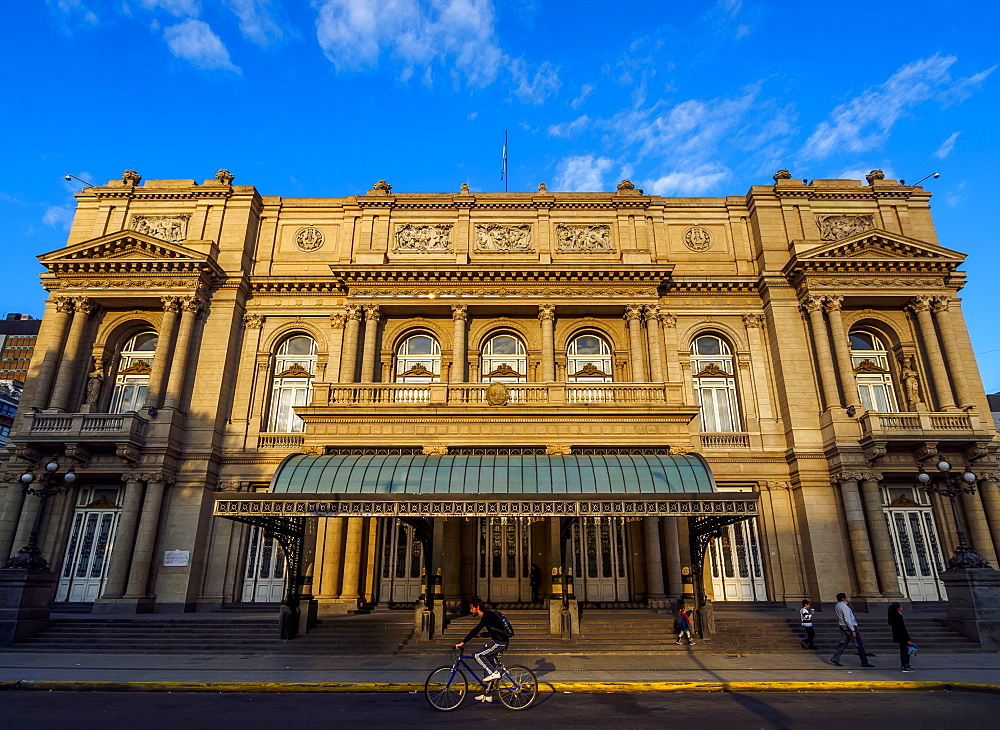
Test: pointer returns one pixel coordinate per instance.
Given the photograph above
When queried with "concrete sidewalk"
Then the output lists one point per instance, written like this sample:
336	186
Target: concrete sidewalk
245	670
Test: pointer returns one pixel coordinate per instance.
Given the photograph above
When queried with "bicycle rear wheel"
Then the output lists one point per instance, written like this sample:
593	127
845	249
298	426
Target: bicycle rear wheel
443	691
517	688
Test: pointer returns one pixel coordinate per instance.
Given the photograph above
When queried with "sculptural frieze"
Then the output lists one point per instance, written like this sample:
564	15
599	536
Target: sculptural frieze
503	237
697	239
165	227
410	237
309	238
585	238
836	227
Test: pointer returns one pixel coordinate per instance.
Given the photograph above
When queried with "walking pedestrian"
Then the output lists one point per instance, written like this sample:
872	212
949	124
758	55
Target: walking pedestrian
535	581
806	618
682	624
849	632
901	636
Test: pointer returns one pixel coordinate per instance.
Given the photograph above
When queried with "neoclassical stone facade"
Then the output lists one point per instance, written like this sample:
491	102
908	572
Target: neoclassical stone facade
806	340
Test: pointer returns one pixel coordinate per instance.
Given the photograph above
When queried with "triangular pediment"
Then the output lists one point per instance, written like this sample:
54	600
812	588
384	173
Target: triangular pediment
878	244
123	245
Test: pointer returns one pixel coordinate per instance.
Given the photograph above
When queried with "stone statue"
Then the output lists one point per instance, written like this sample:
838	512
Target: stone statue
911	386
543	188
465	187
225	177
94	381
131	177
782	174
874	175
626	184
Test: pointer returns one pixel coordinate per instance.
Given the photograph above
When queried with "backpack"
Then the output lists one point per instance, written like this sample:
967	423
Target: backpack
506	624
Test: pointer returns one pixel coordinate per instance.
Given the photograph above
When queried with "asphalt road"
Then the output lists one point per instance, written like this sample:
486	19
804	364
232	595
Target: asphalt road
153	710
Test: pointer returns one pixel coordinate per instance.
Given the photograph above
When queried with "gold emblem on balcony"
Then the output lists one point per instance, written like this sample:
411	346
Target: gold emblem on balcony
590	371
295	371
713	371
498	394
417	371
867	367
503	370
137	368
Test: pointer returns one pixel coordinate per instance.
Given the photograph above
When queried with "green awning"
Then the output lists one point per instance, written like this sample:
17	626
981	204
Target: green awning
488	475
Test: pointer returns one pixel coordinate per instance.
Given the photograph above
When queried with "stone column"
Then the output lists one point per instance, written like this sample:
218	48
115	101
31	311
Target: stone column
349	361
451	560
675	586
668	323
547	316
164	352
633	315
878	535
373	313
842	350
921	307
352	559
860	547
333	362
955	365
654	338
989	493
333	553
978	527
145	539
47	370
10	513
66	375
821	338
178	366
654	560
459	316
121	554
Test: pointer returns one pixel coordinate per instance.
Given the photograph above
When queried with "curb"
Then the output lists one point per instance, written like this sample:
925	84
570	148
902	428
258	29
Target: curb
413	687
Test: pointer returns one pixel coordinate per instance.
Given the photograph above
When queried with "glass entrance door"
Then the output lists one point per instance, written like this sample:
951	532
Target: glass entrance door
504	560
264	578
918	557
737	574
600	567
88	552
402	563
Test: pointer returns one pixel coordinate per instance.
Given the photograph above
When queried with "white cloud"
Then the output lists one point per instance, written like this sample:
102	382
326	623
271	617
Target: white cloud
584	173
866	121
58	216
72	10
256	23
569	129
178	8
692	182
947	146
585	91
194	41
533	85
859	173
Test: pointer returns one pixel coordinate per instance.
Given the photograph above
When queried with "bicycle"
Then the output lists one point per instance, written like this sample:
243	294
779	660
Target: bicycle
446	686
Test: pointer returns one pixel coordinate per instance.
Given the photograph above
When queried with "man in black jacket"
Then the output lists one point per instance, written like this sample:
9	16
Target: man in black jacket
492	626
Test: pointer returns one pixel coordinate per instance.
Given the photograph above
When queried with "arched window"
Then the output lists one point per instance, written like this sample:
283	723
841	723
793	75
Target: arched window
715	384
294	367
418	360
135	363
870	360
588	360
504	360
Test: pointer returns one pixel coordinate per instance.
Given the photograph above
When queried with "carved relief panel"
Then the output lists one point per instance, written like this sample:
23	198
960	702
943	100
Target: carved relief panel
502	237
410	237
835	227
165	227
584	238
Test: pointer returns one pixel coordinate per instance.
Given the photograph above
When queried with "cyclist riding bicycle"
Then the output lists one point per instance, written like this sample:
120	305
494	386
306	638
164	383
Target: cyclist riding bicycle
492	625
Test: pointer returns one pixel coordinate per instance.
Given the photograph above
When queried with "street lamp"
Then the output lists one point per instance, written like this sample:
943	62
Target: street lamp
30	556
951	485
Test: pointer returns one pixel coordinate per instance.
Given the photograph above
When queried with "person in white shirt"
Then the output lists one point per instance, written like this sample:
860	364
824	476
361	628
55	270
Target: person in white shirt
806	619
848	626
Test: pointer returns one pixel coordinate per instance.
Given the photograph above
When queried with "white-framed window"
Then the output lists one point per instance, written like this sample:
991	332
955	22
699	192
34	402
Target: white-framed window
870	360
418	360
135	363
294	368
504	360
588	360
714	384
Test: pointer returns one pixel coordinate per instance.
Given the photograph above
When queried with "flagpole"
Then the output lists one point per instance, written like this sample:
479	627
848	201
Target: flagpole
503	169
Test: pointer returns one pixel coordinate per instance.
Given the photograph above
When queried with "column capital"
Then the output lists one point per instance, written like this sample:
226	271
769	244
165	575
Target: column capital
546	312
132	476
812	304
460	312
769	485
940	304
372	312
989	476
833	303
920	304
847	476
337	321
64	304
157	477
192	303
668	320
84	304
171	303
651	311
753	321
353	312
633	312
253	321
871	476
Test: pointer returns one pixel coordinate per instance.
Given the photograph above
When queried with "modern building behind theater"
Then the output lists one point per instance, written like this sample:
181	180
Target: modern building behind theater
805	339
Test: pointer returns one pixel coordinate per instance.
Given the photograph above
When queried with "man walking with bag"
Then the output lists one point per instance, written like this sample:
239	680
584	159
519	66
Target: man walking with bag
848	632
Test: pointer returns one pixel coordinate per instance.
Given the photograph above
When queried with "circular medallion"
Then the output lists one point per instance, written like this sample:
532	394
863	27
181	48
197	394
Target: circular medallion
698	239
498	394
309	238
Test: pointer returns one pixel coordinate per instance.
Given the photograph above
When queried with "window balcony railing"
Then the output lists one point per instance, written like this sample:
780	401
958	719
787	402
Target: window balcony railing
921	425
284	441
464	394
725	440
88	426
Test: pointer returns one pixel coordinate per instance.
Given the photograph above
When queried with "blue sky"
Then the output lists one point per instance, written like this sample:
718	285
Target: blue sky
324	97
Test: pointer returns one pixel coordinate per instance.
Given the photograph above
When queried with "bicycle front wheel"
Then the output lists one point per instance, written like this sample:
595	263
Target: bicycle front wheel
517	688
445	688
